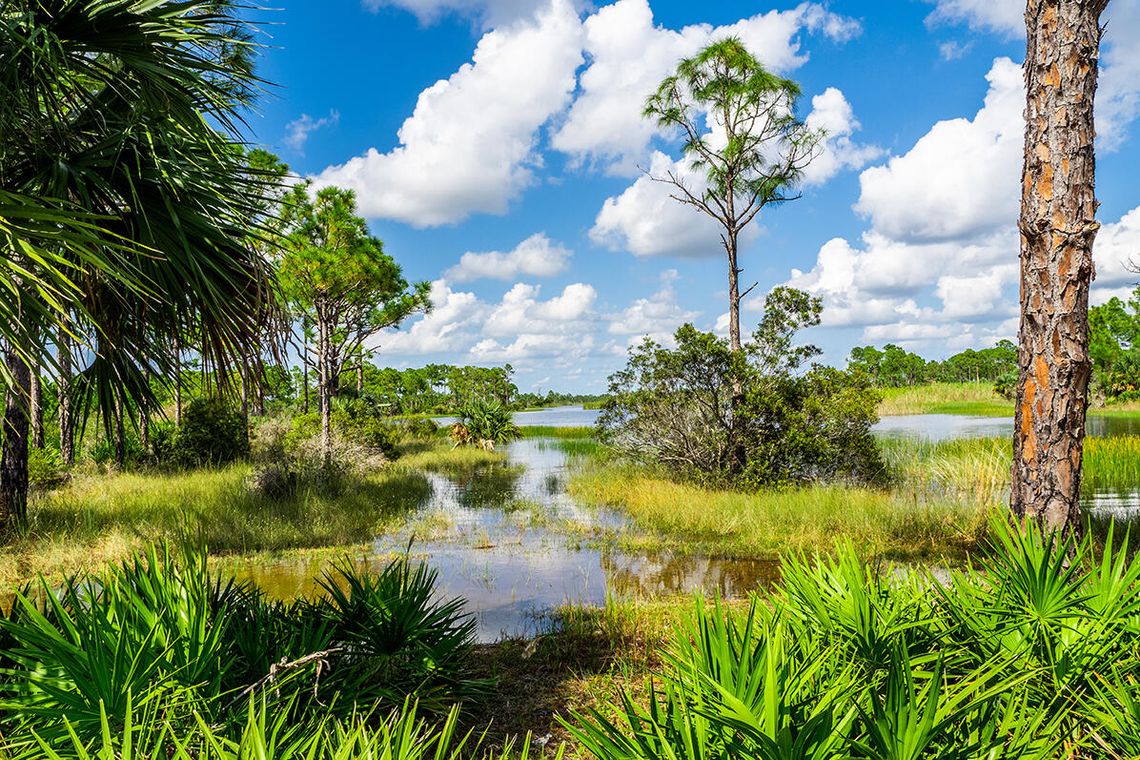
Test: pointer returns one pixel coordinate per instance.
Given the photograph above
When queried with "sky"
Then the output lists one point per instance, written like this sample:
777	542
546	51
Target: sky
497	148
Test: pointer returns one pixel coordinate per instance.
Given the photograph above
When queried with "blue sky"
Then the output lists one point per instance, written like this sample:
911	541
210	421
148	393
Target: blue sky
497	149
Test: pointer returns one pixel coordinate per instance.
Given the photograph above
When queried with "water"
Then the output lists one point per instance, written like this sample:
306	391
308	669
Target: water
941	427
934	427
509	540
512	542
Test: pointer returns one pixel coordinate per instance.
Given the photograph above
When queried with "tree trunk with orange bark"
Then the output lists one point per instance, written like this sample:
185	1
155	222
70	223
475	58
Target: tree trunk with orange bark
1058	226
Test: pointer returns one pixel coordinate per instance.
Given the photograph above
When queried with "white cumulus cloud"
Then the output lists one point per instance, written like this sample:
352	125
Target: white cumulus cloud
470	144
629	55
537	256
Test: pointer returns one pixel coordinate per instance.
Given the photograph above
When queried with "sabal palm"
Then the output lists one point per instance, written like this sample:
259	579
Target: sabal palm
125	199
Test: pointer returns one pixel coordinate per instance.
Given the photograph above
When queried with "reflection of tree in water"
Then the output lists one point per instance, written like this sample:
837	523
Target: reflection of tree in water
663	573
489	486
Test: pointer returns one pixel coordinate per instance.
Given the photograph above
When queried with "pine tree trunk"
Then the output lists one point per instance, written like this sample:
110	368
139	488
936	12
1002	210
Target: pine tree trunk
305	372
14	454
1058	225
733	295
178	382
120	432
36	407
324	390
63	391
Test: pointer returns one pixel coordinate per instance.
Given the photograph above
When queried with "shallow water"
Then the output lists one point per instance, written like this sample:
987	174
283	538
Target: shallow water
509	540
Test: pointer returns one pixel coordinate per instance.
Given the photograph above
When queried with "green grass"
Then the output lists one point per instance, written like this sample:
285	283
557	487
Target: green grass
937	506
690	518
978	469
976	399
100	517
551	431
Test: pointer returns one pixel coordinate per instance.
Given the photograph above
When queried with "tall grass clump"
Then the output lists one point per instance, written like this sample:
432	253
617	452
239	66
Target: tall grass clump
158	641
945	398
976	470
1033	654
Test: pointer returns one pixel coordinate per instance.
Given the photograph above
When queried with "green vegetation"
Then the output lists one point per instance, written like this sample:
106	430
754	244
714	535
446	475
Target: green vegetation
690	518
895	367
1029	655
945	398
751	418
485	424
156	644
549	431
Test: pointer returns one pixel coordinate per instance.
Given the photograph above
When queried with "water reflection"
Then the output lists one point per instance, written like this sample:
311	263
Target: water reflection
504	549
511	541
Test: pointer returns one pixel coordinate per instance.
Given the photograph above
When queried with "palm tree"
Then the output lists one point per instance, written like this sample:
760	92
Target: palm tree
124	199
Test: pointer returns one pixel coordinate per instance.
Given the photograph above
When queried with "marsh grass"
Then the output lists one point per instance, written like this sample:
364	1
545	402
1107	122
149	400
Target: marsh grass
101	517
977	399
551	431
977	469
689	518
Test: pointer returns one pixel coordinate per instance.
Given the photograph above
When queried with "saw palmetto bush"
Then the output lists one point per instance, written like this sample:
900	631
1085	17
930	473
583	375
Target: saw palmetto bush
157	642
486	423
1032	654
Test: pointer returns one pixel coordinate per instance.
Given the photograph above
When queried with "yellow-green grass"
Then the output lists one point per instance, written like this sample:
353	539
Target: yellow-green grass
100	517
976	399
439	456
687	517
977	470
552	431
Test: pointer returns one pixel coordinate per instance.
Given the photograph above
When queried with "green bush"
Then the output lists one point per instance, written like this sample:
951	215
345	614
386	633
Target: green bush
161	633
1032	655
752	418
213	432
46	469
485	422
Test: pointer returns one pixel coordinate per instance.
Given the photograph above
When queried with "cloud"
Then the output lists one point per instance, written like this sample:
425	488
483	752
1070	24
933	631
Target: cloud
657	316
629	56
536	256
297	132
961	178
646	221
470	144
831	113
938	268
953	50
1004	17
1118	93
520	325
488	12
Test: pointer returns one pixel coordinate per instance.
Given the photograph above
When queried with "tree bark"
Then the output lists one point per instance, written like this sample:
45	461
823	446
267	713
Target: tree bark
63	391
120	432
14	454
305	373
1058	226
324	389
733	294
177	382
36	407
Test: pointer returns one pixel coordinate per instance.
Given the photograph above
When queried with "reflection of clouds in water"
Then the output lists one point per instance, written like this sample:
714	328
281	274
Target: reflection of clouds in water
512	570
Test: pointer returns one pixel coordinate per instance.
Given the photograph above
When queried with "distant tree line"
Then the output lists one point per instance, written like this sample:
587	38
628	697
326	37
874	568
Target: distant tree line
894	367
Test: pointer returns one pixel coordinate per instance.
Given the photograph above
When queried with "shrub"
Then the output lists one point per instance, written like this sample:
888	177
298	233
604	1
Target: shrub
213	432
161	634
1031	655
485	423
46	469
751	418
